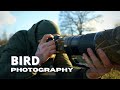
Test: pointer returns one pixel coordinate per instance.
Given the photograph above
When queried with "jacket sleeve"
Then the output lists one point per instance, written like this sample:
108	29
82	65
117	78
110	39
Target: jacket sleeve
62	60
15	47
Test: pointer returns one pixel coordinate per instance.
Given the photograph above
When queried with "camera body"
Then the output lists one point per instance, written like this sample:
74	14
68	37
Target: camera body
59	42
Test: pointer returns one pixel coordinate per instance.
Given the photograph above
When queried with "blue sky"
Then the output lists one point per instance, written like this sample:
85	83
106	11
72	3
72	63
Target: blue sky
21	20
13	21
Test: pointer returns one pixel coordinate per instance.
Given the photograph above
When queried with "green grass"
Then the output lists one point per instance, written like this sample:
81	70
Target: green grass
113	74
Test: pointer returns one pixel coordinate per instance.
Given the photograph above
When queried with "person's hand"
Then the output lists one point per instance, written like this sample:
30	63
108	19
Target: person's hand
45	49
98	67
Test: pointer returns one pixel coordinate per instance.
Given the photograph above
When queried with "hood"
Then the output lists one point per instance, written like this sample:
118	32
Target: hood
38	30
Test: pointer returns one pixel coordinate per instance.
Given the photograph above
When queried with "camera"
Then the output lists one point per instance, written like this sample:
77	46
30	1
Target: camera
75	45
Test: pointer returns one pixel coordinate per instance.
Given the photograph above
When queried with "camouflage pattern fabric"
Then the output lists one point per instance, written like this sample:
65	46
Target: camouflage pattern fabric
109	41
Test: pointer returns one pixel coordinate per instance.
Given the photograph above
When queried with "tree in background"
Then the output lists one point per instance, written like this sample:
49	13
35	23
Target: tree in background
3	39
77	21
117	24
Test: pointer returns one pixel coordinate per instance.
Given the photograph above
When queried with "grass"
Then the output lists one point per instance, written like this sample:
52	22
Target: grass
113	74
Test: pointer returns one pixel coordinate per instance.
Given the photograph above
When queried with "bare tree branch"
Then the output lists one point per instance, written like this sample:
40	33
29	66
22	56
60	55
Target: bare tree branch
76	21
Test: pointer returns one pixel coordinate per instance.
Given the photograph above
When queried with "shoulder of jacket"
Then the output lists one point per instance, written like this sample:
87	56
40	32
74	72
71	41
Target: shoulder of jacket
21	31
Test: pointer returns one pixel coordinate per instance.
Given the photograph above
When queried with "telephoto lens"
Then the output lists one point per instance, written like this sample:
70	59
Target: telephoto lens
108	41
77	45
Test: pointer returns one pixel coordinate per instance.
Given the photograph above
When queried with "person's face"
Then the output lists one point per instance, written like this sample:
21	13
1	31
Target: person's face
52	34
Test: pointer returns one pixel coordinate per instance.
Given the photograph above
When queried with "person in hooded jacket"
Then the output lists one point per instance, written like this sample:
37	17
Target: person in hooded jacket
32	42
26	43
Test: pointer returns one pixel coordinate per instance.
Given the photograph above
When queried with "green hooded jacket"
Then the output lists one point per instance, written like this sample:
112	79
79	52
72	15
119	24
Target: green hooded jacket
24	43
